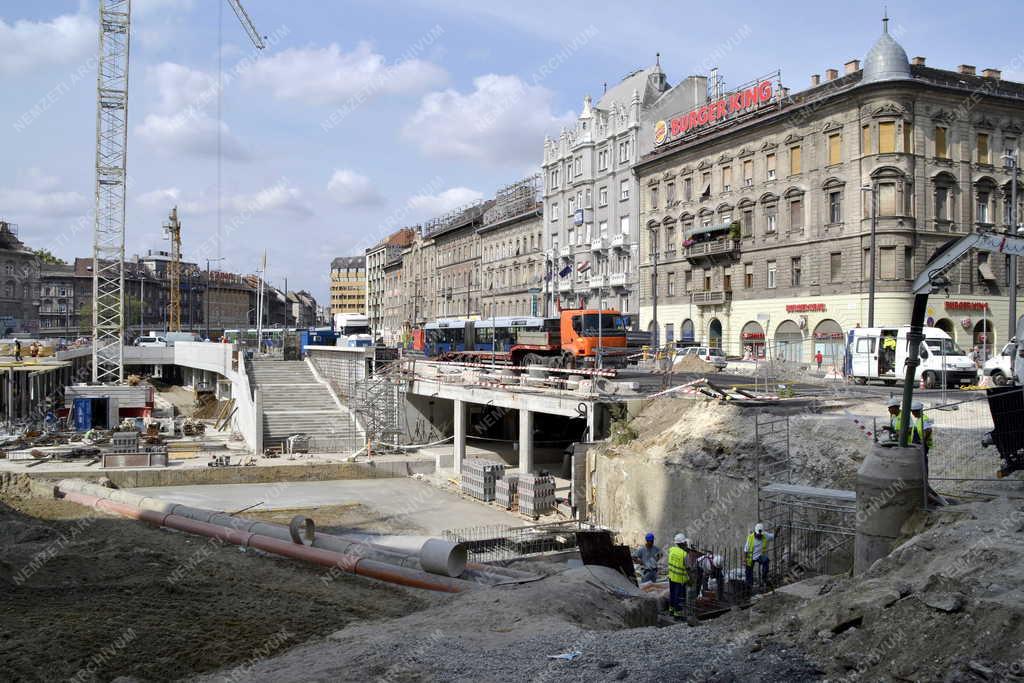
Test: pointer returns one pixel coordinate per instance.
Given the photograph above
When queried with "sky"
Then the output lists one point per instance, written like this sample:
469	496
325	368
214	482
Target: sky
361	117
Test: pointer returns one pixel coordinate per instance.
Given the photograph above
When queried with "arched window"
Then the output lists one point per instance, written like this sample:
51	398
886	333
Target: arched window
770	207
944	194
893	193
795	209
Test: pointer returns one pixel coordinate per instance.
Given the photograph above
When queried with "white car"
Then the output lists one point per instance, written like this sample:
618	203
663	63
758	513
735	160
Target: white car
707	354
151	341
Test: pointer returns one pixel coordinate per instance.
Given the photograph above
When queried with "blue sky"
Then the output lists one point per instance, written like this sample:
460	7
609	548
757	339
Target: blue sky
362	116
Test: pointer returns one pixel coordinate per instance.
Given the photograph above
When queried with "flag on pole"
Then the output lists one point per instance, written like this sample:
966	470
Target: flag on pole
583	267
565	271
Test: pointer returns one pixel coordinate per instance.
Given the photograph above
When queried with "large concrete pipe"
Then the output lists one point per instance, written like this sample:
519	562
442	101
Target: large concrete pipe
433	555
890	484
349	563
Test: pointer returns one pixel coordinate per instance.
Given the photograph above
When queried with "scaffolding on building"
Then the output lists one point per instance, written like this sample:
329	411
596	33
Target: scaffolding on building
513	200
458	216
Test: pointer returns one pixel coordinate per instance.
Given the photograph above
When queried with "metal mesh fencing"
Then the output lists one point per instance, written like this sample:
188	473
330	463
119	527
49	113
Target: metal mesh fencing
502	543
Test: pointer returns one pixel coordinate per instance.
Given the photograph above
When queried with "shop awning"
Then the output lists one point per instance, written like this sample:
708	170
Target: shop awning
707	229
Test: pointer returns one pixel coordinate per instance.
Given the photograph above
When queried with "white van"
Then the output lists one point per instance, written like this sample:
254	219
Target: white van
1000	368
881	353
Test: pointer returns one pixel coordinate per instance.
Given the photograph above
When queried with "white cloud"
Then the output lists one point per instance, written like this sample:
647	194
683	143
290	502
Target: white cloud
20	203
280	198
28	44
349	188
435	204
159	197
503	120
329	75
183	125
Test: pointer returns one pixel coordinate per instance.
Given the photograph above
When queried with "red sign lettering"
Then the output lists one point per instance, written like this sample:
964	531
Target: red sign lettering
730	105
966	306
805	308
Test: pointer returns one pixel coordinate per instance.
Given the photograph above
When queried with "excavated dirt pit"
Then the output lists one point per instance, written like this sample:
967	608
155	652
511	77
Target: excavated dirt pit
99	597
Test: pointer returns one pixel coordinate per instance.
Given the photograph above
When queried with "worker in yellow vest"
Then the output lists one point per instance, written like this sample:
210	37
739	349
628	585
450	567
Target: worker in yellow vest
755	551
920	427
677	576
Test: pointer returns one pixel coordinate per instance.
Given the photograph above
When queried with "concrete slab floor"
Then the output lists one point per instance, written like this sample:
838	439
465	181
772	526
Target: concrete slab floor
424	505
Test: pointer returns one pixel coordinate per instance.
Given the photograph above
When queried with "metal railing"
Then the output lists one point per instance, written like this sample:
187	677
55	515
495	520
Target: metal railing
702	249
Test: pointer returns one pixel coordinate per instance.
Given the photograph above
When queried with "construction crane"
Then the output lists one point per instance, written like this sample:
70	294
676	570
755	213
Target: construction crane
111	151
173	230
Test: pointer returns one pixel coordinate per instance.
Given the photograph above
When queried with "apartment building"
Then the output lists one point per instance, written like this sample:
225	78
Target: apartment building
348	285
512	262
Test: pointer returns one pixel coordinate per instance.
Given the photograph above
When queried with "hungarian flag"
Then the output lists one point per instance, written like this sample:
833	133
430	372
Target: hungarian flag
583	267
565	271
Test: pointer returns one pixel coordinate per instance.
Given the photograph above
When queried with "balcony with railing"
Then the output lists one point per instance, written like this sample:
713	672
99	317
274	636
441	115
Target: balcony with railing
598	281
600	243
565	251
620	241
711	297
617	279
714	248
565	284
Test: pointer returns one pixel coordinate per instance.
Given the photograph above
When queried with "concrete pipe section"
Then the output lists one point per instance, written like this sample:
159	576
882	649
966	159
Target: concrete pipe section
349	563
890	485
433	555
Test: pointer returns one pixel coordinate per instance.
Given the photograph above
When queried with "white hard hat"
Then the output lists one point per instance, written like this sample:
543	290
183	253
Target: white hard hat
759	528
895	402
917	406
680	538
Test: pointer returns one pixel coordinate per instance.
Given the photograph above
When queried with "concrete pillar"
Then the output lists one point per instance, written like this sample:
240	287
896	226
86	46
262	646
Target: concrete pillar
890	488
525	441
460	435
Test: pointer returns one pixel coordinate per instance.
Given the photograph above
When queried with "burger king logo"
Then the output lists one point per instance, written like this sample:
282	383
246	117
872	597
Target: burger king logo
660	132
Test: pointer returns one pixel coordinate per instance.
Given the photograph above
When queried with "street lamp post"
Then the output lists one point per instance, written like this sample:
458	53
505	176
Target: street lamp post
871	257
1011	290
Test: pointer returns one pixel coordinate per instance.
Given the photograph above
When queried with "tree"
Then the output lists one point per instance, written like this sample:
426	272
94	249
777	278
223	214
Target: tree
131	317
46	256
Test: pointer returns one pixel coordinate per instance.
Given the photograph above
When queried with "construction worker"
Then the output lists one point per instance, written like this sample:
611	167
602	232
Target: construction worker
920	427
677	576
710	568
755	550
648	556
894	405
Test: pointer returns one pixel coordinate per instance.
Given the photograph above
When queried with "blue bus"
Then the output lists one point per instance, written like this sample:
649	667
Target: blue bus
447	335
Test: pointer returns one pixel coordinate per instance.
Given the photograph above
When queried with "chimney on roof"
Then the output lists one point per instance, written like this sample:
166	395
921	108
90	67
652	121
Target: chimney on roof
992	73
852	66
815	79
966	69
831	74
917	61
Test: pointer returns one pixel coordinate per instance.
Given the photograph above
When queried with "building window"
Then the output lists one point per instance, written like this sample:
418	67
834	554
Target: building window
835	149
887	204
773	271
727	281
747	223
624	151
654	197
670	284
589	230
554	178
578	166
748	275
570	206
908	263
570	234
835	266
624	225
687	189
796	215
908	138
887	263
670	194
770	167
886	137
794	160
589	198
726	178
602	196
748	173
983	215
602	228
624	190
771	216
795	271
554	212
943	203
984	156
707	280
835	207
602	160
705	184
941	144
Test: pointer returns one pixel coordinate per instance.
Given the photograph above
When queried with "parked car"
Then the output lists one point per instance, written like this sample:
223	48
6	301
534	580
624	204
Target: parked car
708	354
151	341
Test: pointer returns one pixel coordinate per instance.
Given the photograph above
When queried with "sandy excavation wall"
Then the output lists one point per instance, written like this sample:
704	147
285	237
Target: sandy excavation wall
685	465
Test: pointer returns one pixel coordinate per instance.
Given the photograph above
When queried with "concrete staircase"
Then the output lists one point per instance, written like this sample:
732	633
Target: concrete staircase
294	402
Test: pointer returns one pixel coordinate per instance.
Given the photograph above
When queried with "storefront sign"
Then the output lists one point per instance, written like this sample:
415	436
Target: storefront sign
753	335
805	308
742	100
828	335
966	305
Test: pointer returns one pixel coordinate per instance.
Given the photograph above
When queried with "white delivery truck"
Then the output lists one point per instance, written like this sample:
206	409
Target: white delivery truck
1000	368
880	353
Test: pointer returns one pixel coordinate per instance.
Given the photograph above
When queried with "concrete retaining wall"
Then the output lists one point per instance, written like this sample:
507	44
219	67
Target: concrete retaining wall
635	495
250	475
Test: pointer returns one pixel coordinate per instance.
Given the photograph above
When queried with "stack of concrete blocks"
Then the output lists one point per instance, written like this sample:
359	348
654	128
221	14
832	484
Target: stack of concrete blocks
506	491
124	442
536	494
480	477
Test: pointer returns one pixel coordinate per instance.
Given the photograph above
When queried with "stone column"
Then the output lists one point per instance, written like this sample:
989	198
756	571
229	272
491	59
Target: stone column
525	441
459	407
